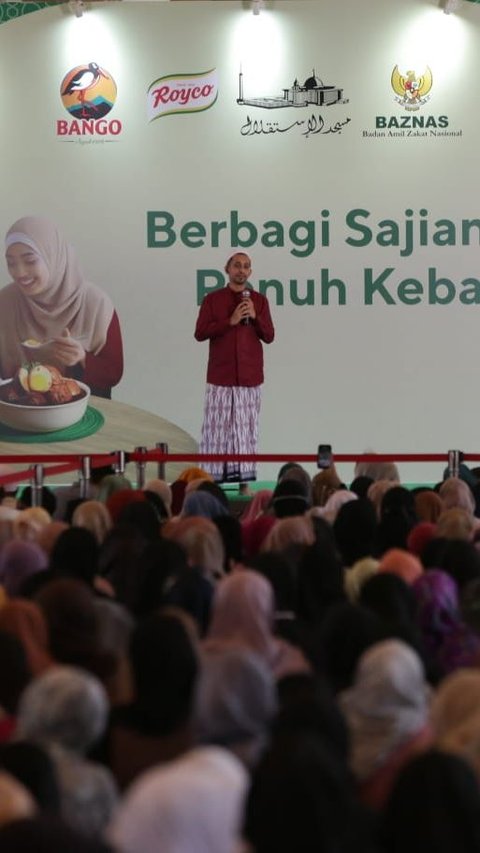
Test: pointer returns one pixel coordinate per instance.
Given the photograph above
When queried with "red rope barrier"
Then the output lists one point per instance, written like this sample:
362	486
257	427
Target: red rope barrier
75	459
158	456
62	463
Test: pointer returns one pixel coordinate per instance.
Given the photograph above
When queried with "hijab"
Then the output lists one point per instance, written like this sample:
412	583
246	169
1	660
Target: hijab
456	716
428	506
243	613
74	626
434	805
387	705
191	805
445	637
163	490
18	561
25	620
70	301
236	701
420	536
257	506
398	562
202	504
66	706
335	502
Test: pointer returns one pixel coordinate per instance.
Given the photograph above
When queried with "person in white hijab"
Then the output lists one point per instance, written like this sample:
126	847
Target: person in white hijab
65	710
191	805
236	700
387	713
71	322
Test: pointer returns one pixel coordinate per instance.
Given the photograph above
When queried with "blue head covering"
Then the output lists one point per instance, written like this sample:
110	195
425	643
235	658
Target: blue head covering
204	505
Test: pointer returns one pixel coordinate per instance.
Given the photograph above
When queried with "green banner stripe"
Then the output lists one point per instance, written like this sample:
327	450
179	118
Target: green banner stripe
9	11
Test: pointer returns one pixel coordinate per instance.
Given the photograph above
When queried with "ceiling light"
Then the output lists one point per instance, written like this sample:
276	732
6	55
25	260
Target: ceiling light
450	6
77	7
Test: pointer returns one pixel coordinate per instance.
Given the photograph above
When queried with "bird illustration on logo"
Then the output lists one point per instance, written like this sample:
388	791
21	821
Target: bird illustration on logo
88	91
412	90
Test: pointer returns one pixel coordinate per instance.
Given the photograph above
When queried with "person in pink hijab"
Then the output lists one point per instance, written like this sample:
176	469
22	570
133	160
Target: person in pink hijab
255	532
243	614
258	505
257	520
50	302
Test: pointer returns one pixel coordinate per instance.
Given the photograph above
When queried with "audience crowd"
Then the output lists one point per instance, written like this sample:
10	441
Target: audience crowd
301	675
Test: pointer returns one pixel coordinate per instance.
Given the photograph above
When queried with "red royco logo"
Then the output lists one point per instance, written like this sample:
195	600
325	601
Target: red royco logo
182	93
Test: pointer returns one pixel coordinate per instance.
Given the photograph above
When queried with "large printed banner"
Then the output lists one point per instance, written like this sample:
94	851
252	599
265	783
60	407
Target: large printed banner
339	151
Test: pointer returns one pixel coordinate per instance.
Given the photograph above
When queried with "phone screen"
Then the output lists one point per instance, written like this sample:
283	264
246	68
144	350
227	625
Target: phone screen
324	457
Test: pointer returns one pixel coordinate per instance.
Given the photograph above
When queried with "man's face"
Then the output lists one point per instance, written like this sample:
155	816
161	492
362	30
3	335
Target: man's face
239	271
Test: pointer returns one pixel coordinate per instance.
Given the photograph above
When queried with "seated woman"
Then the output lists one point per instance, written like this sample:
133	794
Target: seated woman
243	615
386	711
49	303
155	727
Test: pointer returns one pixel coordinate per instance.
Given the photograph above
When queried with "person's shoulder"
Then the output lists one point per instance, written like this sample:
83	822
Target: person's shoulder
97	294
7	292
217	295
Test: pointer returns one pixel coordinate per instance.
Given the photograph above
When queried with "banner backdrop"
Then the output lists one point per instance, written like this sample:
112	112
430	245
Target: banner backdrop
337	146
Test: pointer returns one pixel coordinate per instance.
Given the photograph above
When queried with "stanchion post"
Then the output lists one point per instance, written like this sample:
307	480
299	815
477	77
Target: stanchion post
454	459
163	448
37	484
141	467
119	465
85	473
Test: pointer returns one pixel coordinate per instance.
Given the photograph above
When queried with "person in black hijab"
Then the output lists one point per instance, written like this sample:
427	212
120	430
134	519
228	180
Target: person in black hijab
355	530
434	806
302	799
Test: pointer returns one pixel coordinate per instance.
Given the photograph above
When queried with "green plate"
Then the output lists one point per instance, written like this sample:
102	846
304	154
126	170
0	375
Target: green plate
91	422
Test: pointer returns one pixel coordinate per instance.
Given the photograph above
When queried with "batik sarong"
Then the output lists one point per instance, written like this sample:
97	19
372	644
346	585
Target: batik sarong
230	426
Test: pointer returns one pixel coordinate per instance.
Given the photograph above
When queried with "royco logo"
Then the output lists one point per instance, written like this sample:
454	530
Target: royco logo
182	93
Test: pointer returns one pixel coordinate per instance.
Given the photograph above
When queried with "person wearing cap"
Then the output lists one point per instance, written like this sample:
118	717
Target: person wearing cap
235	320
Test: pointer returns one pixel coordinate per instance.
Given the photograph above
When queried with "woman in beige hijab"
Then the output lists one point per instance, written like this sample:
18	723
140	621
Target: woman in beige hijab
51	303
455	715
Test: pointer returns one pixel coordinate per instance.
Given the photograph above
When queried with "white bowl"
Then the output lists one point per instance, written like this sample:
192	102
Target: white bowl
44	418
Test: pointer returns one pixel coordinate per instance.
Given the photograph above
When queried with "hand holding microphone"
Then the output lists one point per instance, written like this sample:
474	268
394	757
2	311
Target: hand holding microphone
245	311
246	296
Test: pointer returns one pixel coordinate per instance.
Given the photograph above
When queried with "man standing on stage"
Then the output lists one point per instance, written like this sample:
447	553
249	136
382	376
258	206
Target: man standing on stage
235	320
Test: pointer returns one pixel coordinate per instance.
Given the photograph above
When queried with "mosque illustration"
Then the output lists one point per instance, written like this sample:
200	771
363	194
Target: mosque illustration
313	91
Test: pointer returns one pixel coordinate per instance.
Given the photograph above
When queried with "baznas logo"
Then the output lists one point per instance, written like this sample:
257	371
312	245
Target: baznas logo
412	91
182	93
88	91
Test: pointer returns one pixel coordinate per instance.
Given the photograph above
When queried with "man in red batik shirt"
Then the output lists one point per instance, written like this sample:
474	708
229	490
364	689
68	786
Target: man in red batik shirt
235	320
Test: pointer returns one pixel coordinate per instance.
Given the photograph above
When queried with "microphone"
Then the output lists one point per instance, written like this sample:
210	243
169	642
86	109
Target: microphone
246	295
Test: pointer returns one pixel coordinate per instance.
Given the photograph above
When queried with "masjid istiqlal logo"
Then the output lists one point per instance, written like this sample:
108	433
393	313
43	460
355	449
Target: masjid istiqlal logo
312	92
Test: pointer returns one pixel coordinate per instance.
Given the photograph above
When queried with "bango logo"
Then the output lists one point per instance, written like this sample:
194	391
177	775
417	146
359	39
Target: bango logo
88	93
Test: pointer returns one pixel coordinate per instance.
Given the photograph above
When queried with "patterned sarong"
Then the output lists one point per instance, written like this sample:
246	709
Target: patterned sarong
230	426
